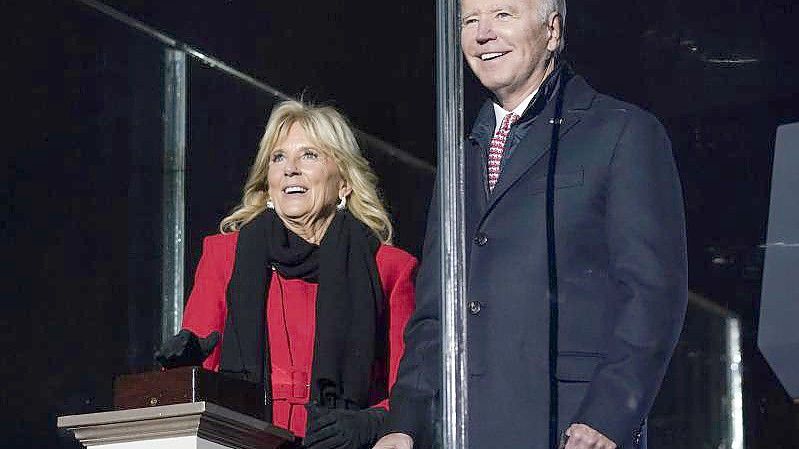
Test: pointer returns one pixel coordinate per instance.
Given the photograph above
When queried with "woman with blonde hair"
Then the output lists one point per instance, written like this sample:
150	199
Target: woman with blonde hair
303	285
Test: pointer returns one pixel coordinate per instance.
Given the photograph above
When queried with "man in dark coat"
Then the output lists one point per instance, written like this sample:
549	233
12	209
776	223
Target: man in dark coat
618	251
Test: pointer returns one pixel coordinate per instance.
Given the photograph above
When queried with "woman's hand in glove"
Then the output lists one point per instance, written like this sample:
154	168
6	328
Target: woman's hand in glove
342	429
186	349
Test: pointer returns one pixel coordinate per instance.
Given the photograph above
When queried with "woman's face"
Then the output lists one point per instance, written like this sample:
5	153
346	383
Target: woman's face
304	182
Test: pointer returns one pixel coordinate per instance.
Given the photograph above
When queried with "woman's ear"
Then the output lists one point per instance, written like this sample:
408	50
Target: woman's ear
344	190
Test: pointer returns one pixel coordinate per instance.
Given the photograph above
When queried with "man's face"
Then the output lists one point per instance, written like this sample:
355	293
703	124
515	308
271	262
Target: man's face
507	44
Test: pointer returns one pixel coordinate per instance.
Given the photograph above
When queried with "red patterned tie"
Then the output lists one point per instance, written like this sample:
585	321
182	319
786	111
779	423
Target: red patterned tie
497	147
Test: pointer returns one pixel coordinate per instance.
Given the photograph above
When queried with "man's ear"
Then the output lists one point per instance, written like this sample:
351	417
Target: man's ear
555	29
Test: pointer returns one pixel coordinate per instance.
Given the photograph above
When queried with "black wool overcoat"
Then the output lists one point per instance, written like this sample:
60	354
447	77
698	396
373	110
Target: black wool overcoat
622	278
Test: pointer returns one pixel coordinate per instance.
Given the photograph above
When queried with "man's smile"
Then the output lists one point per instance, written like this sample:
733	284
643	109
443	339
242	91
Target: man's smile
492	55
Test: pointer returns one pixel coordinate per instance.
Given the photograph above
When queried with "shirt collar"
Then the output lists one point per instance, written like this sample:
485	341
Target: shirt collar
500	113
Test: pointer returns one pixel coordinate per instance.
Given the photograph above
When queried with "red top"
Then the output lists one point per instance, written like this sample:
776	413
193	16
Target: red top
291	314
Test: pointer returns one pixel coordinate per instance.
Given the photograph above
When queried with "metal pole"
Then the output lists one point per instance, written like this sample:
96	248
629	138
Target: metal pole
449	79
174	116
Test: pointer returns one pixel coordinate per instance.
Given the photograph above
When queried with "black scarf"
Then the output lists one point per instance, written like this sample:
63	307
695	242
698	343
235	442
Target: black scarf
351	337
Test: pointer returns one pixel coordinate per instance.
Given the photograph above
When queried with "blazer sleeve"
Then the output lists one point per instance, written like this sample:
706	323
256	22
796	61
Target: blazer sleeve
416	389
648	268
206	308
400	290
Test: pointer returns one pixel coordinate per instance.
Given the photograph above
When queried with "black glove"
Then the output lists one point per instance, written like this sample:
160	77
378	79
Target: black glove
186	349
342	429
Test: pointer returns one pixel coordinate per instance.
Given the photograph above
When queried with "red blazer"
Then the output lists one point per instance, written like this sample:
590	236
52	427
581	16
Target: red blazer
291	315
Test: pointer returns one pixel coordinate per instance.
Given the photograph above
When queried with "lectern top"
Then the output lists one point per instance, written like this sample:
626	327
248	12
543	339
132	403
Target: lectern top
201	419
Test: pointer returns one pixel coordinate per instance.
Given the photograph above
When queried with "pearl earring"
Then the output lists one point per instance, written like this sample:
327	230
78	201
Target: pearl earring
342	204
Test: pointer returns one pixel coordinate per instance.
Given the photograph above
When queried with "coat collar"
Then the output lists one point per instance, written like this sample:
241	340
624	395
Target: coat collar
578	97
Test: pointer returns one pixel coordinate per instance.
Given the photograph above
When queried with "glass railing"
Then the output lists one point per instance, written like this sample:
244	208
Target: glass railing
700	404
157	138
212	117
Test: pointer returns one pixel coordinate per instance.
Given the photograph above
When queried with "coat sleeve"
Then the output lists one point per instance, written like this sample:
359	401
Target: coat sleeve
418	379
648	269
206	308
400	293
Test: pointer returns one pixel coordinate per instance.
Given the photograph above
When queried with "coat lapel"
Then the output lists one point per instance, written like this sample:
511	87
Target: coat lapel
476	148
530	150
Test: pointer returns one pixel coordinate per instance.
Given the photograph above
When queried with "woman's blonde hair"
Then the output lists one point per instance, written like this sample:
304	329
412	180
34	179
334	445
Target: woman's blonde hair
330	131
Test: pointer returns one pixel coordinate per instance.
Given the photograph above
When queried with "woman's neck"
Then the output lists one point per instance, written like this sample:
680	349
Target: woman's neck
311	229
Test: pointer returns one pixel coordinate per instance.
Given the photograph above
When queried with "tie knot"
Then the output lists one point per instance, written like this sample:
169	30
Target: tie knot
508	120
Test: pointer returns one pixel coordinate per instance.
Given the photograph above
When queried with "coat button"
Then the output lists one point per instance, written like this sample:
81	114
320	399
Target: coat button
475	307
480	239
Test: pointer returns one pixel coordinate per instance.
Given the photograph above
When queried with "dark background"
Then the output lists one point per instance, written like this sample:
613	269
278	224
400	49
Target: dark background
82	142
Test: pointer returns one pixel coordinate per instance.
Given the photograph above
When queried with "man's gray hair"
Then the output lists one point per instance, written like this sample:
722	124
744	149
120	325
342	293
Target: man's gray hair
559	6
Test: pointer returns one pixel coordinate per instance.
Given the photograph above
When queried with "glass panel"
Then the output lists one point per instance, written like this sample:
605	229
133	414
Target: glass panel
84	219
721	77
699	402
226	121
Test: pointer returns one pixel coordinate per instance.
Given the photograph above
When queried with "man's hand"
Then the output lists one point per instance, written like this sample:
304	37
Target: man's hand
580	436
395	441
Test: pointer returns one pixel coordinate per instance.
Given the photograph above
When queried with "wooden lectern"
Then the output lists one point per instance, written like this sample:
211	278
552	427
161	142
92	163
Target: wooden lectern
174	410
